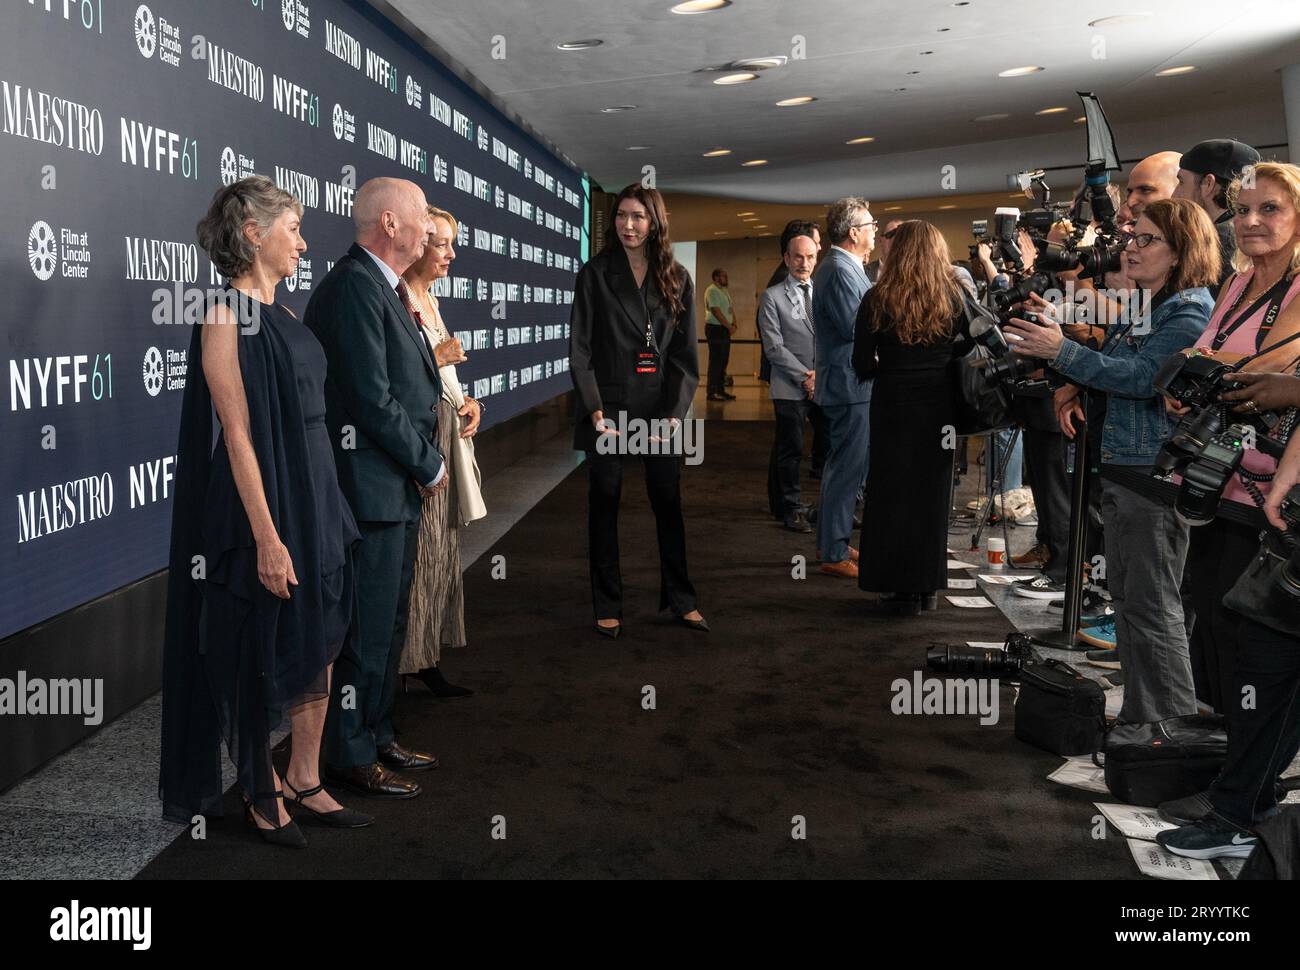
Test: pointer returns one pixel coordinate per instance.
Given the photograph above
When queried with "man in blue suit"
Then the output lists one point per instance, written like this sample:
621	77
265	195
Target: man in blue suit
838	288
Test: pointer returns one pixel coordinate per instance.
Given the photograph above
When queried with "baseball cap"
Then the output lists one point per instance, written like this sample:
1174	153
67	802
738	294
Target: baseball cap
1221	157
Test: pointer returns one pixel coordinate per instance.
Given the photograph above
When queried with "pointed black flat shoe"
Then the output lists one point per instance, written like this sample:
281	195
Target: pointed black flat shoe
287	836
699	624
438	685
609	631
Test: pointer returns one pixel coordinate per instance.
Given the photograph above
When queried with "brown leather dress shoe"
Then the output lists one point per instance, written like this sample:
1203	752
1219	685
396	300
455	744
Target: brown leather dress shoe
853	554
845	569
371	781
1034	558
393	755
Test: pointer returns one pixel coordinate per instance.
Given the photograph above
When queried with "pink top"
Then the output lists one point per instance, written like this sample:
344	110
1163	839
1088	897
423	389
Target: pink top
1242	341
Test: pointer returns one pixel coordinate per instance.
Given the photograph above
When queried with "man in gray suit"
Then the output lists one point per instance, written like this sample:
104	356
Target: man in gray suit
837	292
785	324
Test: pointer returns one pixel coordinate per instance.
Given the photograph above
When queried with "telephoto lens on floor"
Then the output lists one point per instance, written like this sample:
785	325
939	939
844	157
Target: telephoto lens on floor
965	661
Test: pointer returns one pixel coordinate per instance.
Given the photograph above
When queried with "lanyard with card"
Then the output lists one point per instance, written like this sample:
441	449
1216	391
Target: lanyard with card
647	360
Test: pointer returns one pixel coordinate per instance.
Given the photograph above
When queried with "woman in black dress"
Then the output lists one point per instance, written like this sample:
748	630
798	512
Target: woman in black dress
633	360
909	328
261	588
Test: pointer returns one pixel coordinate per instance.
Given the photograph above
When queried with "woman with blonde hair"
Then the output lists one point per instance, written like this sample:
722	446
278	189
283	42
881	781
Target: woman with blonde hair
436	615
910	326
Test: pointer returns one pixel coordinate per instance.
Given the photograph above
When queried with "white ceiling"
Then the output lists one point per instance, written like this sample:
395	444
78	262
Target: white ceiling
857	53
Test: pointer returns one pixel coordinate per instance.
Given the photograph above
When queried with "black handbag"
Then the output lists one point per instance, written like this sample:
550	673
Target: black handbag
1147	764
1060	710
982	405
1255	593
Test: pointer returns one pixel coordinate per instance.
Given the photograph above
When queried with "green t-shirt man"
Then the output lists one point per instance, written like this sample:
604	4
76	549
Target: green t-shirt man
717	298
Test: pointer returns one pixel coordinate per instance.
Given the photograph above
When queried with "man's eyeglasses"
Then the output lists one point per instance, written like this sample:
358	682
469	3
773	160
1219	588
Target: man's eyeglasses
863	225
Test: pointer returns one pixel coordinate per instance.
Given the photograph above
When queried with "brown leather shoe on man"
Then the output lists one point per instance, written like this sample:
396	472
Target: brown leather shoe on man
371	781
845	569
1035	558
853	554
393	755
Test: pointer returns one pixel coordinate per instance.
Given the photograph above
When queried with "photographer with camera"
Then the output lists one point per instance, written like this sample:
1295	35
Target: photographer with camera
1173	256
1265	736
1255	311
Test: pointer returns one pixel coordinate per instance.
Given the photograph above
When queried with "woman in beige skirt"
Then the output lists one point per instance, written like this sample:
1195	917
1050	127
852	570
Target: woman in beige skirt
437	610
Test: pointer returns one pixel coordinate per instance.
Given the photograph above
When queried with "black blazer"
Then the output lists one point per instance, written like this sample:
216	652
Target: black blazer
383	383
606	335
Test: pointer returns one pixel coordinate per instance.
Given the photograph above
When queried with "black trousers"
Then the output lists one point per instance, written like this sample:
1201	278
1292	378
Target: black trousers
787	453
1263	738
1218	554
1050	484
719	338
663	484
820	442
385	564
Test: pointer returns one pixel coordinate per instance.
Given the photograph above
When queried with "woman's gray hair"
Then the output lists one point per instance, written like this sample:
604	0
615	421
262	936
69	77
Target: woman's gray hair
254	199
842	215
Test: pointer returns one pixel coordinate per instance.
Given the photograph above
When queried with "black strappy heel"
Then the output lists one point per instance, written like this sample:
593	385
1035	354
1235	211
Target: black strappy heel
340	818
287	835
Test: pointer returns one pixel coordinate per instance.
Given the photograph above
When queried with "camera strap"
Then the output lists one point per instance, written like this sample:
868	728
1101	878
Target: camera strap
1273	299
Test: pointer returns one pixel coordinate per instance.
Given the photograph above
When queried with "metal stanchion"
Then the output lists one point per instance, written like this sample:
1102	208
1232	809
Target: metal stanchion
1080	484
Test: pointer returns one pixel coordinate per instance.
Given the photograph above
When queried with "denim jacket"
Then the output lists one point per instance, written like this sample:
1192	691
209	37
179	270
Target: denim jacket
1136	421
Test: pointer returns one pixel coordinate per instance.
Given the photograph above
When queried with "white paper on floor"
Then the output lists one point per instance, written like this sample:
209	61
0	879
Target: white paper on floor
1080	772
1152	860
1133	821
970	602
961	584
958	564
1003	579
1114	701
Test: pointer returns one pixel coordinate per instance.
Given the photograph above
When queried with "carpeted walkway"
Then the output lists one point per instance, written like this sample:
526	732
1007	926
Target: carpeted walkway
783	710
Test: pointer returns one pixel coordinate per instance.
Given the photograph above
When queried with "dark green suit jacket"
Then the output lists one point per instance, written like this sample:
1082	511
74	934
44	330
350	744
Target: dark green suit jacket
381	391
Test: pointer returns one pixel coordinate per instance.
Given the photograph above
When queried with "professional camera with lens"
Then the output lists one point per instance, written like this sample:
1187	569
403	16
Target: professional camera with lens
1209	443
1287	577
961	660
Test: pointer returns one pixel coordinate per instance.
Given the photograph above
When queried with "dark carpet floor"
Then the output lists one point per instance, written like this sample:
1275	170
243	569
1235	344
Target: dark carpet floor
782	711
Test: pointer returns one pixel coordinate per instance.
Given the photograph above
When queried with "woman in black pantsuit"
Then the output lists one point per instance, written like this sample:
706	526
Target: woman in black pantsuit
909	328
633	359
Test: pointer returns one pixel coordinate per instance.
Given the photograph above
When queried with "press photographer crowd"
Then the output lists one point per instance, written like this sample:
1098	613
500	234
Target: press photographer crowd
1132	355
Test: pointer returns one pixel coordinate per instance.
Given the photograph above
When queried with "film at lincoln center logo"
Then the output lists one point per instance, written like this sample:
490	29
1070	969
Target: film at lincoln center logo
153	371
229	166
42	252
146	31
288	13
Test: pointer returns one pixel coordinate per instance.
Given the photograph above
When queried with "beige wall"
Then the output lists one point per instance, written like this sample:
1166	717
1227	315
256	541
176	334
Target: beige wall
749	263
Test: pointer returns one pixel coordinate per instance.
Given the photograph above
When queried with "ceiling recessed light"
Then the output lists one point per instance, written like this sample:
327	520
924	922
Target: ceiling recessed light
891	208
762	226
639	148
791	102
759	63
1118	19
1051	111
1171	71
736	78
754	161
700	6
743	214
579	45
750	219
1081	119
721	232
993	117
861	141
1020	71
616	108
947	207
716	152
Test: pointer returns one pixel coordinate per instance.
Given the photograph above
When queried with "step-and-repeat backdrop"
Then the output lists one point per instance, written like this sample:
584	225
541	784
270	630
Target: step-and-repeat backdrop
120	119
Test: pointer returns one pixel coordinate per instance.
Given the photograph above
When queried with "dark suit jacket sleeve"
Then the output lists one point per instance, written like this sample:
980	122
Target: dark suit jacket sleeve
582	322
865	339
351	328
682	361
841	306
769	326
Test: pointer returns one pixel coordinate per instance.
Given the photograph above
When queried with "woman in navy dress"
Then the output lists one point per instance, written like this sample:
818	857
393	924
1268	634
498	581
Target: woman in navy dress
261	588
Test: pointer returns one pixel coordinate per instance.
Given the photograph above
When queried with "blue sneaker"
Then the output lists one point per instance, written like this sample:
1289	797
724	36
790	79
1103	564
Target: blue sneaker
1100	635
1208	838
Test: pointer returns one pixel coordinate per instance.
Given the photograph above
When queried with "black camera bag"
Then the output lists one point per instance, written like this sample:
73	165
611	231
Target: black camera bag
1147	764
1060	710
1255	593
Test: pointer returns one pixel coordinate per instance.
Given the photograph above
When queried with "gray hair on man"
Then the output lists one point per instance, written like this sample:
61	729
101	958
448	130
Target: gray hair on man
842	216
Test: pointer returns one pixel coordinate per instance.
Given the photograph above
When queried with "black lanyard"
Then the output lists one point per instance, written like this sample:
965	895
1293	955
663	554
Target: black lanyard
1274	300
